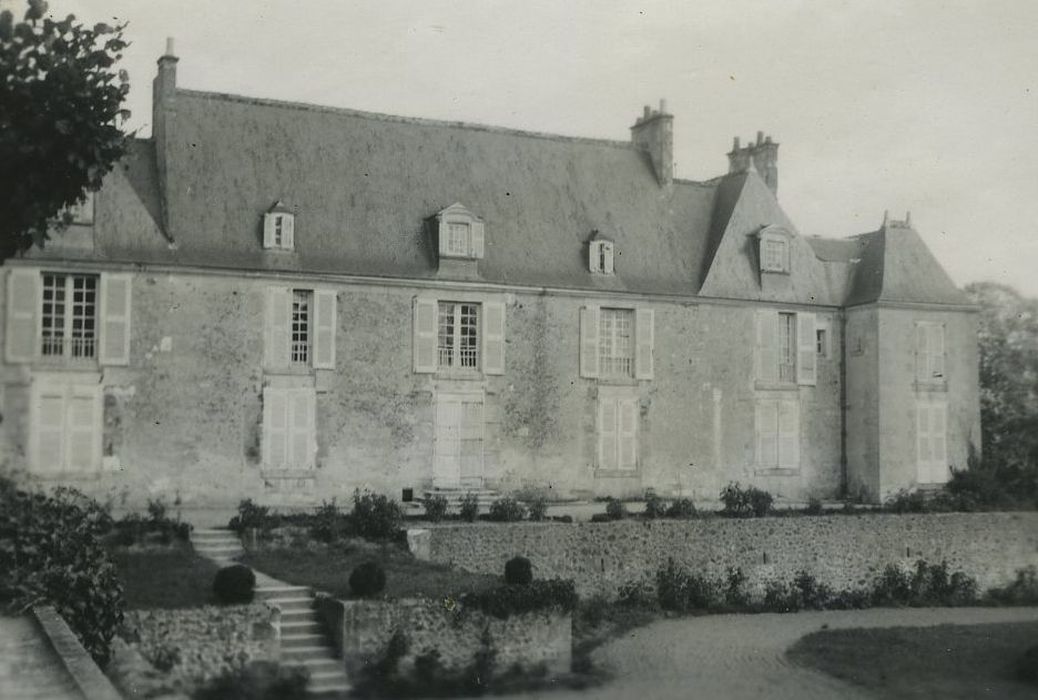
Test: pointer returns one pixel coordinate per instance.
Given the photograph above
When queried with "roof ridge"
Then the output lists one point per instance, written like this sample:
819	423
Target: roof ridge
420	121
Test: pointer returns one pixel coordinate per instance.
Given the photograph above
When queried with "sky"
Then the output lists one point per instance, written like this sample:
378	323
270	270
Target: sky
928	106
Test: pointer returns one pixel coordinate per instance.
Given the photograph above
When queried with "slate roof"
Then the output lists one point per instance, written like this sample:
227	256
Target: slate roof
364	188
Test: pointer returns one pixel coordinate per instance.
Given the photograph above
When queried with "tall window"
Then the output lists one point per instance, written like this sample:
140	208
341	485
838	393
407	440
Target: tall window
458	239
787	347
929	351
458	335
69	316
301	320
615	343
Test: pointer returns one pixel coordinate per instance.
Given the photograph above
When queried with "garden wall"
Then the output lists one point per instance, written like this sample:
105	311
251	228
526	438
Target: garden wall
180	650
361	630
842	551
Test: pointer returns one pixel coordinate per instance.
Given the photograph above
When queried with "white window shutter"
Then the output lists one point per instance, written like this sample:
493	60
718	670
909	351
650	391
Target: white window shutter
807	350
115	318
425	318
443	232
288	231
593	256
607	434
789	434
277	349
268	230
627	443
301	428
23	309
924	454
494	338
767	345
589	341
766	424
275	427
83	428
939	442
325	323
477	230
607	248
645	332
936	347
922	353
48	429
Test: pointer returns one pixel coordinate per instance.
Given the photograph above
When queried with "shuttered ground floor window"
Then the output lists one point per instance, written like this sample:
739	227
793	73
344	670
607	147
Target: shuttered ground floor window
777	426
617	433
66	428
289	427
931	442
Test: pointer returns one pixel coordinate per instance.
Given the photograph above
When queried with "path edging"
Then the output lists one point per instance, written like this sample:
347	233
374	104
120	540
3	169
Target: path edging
88	678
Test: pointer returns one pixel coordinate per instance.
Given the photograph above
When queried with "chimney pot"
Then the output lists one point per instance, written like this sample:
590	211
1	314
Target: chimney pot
760	137
735	144
647	112
663	106
169	46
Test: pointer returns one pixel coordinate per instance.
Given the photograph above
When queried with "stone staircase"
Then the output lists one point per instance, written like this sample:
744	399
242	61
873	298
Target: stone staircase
221	545
304	641
454	495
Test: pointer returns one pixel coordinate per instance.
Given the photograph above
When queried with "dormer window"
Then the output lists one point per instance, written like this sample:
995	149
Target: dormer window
279	228
600	256
774	249
460	233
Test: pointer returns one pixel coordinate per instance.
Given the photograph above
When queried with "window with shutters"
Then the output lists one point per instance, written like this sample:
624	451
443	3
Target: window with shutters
69	317
66	428
300	329
289	428
461	233
787	348
616	343
279	228
929	352
600	256
775	243
458	336
777	426
932	442
617	433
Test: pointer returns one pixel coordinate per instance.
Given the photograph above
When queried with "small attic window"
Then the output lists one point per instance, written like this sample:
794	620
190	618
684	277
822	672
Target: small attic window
460	233
774	249
600	256
279	228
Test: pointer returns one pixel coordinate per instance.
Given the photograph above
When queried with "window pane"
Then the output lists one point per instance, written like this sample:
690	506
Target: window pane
458	337
458	239
53	315
615	344
300	326
446	335
787	347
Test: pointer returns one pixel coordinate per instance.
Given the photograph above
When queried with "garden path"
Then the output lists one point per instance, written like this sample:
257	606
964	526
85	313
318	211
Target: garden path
29	668
743	656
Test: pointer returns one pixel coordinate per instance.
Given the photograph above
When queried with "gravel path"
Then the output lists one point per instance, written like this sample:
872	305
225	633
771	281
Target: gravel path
739	657
29	668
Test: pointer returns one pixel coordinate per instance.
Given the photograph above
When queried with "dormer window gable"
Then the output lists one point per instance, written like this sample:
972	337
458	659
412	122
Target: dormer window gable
460	233
279	228
776	243
600	254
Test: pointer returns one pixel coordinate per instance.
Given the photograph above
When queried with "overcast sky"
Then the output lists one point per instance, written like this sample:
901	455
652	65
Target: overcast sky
920	105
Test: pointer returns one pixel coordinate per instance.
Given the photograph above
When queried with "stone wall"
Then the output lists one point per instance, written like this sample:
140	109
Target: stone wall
842	551
162	651
361	630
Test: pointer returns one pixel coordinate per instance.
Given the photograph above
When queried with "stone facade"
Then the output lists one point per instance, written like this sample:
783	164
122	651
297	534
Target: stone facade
841	551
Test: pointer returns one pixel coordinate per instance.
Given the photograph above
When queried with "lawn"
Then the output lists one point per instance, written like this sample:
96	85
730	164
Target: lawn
164	578
328	569
947	661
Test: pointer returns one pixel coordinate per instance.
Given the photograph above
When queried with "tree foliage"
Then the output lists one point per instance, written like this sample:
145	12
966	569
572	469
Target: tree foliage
1008	339
60	104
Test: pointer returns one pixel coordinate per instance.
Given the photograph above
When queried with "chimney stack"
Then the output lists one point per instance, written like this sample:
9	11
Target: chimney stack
654	134
761	153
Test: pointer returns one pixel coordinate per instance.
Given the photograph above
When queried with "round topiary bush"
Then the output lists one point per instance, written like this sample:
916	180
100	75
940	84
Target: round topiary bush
518	571
368	579
234	584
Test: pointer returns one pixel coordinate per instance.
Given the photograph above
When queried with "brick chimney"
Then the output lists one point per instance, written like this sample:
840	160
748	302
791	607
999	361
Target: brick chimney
762	153
653	133
163	99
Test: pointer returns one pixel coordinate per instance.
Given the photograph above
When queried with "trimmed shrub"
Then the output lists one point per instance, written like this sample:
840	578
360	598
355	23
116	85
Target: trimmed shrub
682	508
538	508
929	584
1022	591
234	584
51	553
328	523
745	503
905	501
435	508
615	509
374	516
250	515
506	510
814	507
735	594
368	579
655	507
259	680
682	591
504	601
469	509
518	571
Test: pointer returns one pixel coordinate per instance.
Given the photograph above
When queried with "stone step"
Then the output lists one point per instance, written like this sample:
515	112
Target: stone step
320	665
313	652
277	592
298	616
292	603
218	547
296	640
307	627
208	533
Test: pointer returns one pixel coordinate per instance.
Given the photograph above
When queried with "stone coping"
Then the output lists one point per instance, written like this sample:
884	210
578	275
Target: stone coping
89	679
